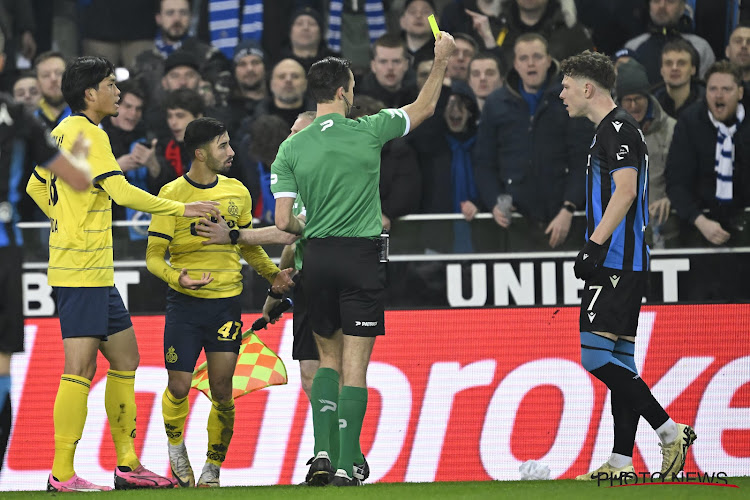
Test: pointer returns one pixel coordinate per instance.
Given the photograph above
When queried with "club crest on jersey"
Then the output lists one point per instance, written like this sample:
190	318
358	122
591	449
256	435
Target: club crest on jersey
233	209
593	142
617	125
623	152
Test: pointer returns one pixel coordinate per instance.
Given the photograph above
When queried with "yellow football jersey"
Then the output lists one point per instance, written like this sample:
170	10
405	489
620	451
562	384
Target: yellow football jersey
185	247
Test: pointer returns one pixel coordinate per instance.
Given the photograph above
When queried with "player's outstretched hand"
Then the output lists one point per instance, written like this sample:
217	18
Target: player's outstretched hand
201	209
444	46
191	284
588	260
283	281
216	232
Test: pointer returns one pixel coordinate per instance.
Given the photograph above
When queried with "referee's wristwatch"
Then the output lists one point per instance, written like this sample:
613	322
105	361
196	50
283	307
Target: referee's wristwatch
234	236
569	207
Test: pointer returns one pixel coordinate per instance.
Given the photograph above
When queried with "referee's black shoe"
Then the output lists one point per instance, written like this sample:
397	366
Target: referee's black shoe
320	471
342	479
361	471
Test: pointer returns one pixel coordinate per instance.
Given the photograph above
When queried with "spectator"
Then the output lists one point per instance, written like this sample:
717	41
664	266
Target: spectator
458	64
306	42
288	87
134	153
388	66
485	76
738	53
657	126
667	21
26	91
528	147
353	27
416	30
445	159
556	20
267	132
183	106
478	18
250	85
423	69
117	31
678	68
708	167
621	57
173	21
400	179
17	30
49	70
612	22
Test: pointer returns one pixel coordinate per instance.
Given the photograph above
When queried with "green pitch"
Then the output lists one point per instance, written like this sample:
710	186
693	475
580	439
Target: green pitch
560	489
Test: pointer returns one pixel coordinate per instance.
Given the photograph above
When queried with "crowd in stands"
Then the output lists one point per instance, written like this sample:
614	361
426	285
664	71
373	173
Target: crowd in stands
500	140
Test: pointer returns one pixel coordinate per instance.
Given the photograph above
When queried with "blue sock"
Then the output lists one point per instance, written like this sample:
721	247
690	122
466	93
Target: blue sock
4	388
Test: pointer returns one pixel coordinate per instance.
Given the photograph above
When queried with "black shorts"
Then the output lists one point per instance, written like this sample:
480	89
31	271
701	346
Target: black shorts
193	324
611	302
344	284
304	347
11	300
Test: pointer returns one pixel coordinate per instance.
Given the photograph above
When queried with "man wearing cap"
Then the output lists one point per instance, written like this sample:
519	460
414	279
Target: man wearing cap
530	155
306	41
173	21
634	97
249	84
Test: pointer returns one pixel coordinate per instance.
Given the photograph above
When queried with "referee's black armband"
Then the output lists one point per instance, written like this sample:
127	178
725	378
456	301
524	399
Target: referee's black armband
274	295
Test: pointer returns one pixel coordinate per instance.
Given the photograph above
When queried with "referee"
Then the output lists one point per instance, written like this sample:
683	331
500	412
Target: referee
334	166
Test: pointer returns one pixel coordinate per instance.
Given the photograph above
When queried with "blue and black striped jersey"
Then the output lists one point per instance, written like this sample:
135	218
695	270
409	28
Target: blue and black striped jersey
619	143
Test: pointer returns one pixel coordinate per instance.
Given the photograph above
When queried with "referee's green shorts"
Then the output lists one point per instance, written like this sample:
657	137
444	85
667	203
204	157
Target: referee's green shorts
344	283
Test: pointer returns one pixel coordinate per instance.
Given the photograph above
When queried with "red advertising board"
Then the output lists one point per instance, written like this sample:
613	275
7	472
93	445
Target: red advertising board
454	395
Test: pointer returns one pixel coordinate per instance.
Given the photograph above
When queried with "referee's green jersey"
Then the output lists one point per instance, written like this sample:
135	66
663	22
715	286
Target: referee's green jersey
334	165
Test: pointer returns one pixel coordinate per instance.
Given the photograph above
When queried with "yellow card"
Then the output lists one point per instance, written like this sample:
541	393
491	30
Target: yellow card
434	26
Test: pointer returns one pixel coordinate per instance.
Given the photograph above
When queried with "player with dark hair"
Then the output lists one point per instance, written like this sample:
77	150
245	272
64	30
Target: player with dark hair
204	312
342	272
81	271
614	262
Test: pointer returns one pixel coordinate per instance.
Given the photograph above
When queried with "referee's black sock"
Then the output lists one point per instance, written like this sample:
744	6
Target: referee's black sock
634	392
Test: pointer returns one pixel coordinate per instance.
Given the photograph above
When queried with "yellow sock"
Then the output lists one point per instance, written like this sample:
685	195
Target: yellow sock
69	416
175	412
119	400
220	429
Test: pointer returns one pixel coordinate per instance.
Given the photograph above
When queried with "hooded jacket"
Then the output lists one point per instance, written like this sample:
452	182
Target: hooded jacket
658	138
539	160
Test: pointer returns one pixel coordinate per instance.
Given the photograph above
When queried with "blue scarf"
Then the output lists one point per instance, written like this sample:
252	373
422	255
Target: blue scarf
462	173
531	99
269	203
227	27
163	47
375	22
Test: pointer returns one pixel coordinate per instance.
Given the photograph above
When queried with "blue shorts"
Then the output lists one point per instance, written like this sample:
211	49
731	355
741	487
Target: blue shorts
91	311
193	324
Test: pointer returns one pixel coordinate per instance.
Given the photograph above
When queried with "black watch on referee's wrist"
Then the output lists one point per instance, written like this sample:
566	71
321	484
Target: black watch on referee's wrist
569	207
234	236
275	295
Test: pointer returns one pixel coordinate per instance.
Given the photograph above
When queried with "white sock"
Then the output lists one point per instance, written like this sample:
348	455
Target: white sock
667	431
619	461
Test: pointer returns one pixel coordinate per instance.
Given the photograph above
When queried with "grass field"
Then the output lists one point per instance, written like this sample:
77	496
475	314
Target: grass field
559	489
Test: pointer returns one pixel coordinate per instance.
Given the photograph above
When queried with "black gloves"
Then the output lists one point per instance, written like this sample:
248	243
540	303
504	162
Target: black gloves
589	259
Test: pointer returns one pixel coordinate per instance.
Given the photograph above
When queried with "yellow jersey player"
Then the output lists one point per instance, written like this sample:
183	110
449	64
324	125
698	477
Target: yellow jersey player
203	312
81	272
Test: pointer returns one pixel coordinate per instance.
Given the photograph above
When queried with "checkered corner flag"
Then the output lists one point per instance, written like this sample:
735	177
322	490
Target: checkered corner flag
258	366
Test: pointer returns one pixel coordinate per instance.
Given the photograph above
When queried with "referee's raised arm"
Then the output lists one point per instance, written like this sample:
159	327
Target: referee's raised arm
424	105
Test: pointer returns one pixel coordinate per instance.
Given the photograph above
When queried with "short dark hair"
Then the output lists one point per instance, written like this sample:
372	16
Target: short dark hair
267	133
681	45
50	54
488	56
532	36
367	106
84	73
725	67
326	76
591	65
187	99
131	86
201	131
389	41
